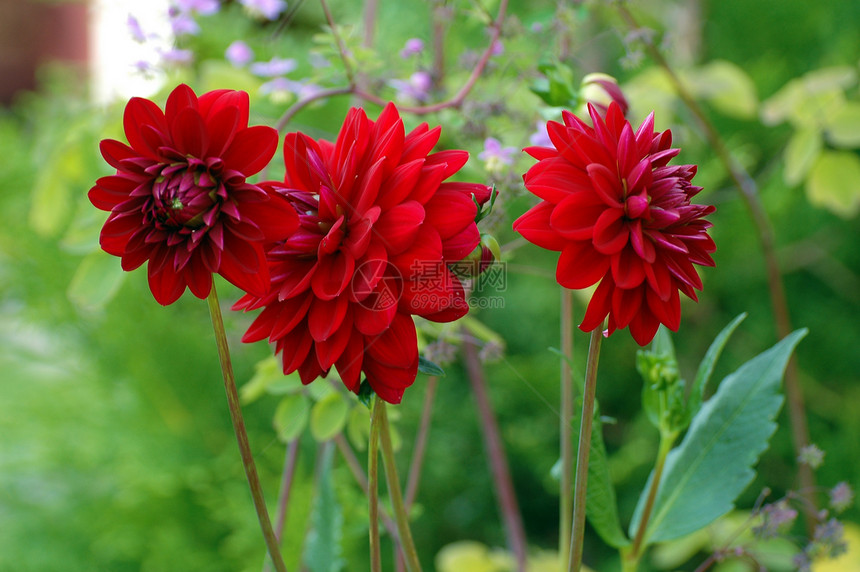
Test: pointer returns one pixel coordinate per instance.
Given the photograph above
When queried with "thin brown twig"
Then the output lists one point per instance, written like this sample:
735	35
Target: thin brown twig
749	193
497	458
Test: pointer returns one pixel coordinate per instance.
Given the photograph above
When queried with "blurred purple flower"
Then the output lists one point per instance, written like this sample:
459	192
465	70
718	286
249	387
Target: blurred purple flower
269	9
540	138
135	30
175	56
413	47
495	156
417	87
274	67
281	86
497	49
202	7
841	497
182	24
239	53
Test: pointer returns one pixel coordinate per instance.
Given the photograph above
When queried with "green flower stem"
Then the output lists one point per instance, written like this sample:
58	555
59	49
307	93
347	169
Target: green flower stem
630	560
565	503
376	412
241	434
752	200
583	450
400	515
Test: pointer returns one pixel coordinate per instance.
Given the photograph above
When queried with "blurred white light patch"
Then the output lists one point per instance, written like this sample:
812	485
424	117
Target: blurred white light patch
118	58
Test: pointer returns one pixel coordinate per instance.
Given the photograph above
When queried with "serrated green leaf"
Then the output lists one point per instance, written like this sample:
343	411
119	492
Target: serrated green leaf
328	416
323	550
834	183
96	281
427	367
713	464
291	416
843	126
801	152
706	368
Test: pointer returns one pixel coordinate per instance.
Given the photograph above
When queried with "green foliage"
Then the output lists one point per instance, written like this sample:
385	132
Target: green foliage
291	416
705	474
323	551
328	416
601	507
427	367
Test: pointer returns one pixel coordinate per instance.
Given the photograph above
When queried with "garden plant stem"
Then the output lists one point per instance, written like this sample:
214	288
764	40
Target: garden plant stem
394	492
583	450
241	434
749	193
565	512
373	484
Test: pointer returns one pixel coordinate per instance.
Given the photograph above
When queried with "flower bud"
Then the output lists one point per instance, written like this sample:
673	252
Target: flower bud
477	262
600	89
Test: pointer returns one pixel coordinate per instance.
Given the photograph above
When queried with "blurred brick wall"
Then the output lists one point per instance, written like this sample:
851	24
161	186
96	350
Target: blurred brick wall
34	32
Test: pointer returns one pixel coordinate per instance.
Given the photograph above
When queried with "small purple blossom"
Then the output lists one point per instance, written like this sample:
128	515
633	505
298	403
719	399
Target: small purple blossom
417	87
811	455
802	562
540	138
497	48
202	7
829	539
841	497
135	30
268	9
279	87
413	47
239	54
776	517
274	67
175	56
537	27
182	24
495	156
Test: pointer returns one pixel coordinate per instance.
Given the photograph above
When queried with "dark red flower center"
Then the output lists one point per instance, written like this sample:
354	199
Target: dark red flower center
188	194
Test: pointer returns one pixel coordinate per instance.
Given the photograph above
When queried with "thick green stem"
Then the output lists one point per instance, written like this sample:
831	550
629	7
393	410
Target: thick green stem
632	558
391	478
241	434
565	502
583	450
376	412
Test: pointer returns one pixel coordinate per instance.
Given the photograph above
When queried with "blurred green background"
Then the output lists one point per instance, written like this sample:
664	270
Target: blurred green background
116	450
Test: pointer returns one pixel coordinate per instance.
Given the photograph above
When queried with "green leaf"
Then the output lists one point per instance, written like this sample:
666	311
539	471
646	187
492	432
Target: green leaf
726	86
834	183
706	368
601	507
328	416
96	281
427	367
291	416
713	464
269	378
801	152
323	549
358	428
843	126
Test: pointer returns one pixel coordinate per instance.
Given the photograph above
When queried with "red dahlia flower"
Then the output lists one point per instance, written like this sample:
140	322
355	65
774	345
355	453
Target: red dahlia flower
378	227
180	200
621	216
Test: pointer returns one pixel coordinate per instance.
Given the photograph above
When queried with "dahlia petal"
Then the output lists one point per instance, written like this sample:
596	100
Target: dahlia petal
682	269
610	232
659	279
121	224
181	98
349	362
165	284
639	176
110	191
310	369
452	159
199	279
625	305
555	179
276	217
399	184
575	216
326	316
244	266
599	306
397	227
389	383
261	327
367	188
628	270
428	183
461	244
644	135
425	252
643	327
434	292
212	103
606	183
292	312
114	152
251	149
388	138
294	277
222	127
628	155
294	349
373	315
642	244
298	173
580	265
449	212
332	275
534	226
139	113
329	350
419	142
397	346
666	311
189	133
541	153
